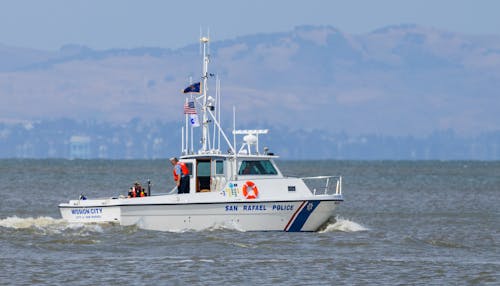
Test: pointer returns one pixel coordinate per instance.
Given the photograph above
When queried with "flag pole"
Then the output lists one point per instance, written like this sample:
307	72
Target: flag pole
182	142
187	130
192	144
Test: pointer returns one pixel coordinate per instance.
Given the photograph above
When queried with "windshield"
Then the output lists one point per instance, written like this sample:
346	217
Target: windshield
263	167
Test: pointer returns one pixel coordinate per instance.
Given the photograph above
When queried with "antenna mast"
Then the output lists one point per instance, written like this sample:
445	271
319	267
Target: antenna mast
204	139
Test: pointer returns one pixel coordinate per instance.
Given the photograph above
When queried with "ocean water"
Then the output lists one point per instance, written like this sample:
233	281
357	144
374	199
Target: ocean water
402	223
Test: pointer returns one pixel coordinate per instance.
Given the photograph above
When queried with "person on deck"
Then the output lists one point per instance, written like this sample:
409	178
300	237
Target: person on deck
137	189
131	193
181	176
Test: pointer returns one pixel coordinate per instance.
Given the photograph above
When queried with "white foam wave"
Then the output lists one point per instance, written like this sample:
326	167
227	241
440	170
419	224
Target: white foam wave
46	224
344	225
225	226
30	222
216	227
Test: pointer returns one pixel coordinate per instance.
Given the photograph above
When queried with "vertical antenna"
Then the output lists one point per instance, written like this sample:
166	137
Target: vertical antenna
234	128
234	145
205	41
218	110
215	116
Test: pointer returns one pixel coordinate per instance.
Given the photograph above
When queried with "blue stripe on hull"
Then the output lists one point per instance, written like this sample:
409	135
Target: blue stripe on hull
304	214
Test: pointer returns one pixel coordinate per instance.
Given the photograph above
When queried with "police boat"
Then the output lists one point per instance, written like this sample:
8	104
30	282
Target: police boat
241	188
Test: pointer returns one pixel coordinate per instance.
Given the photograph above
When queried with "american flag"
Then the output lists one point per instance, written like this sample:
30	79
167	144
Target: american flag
189	108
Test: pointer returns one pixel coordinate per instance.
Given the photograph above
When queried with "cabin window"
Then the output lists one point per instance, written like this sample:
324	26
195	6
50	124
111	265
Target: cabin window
203	169
219	167
264	167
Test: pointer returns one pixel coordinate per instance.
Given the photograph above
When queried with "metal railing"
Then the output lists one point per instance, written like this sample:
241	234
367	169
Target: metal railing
324	185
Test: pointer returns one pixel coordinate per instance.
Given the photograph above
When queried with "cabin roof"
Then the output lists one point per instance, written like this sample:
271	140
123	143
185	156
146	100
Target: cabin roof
228	156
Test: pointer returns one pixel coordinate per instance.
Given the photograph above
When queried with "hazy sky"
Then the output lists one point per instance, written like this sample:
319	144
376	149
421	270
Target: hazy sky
102	24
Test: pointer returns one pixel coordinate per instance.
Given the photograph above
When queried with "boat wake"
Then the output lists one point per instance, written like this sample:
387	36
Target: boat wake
48	225
30	222
230	226
217	227
225	226
343	225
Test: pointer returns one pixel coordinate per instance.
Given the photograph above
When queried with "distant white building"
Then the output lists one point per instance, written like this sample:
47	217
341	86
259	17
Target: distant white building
103	152
79	147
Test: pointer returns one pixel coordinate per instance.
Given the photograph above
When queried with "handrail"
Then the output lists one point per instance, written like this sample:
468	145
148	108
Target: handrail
326	185
320	177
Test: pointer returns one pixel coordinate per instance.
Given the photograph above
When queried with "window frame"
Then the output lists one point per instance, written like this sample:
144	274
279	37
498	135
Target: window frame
257	168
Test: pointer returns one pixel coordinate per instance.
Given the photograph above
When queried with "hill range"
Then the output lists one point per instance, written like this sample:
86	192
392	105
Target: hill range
397	80
359	96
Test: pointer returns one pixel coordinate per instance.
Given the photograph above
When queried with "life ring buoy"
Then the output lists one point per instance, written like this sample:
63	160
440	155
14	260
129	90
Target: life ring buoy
250	190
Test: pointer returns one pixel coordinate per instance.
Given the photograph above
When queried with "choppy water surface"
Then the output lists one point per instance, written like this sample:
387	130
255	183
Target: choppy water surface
402	223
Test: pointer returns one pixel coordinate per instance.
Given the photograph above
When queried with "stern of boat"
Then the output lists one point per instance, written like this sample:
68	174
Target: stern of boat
90	211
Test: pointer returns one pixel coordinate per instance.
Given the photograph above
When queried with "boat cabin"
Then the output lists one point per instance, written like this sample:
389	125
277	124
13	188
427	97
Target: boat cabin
211	173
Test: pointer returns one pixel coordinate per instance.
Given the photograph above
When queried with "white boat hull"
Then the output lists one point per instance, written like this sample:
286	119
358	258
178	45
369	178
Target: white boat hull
89	214
300	215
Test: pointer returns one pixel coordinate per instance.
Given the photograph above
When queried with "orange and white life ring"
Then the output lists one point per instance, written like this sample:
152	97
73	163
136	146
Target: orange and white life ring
250	190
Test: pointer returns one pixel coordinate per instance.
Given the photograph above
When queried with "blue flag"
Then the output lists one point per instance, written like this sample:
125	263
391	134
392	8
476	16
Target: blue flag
195	87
